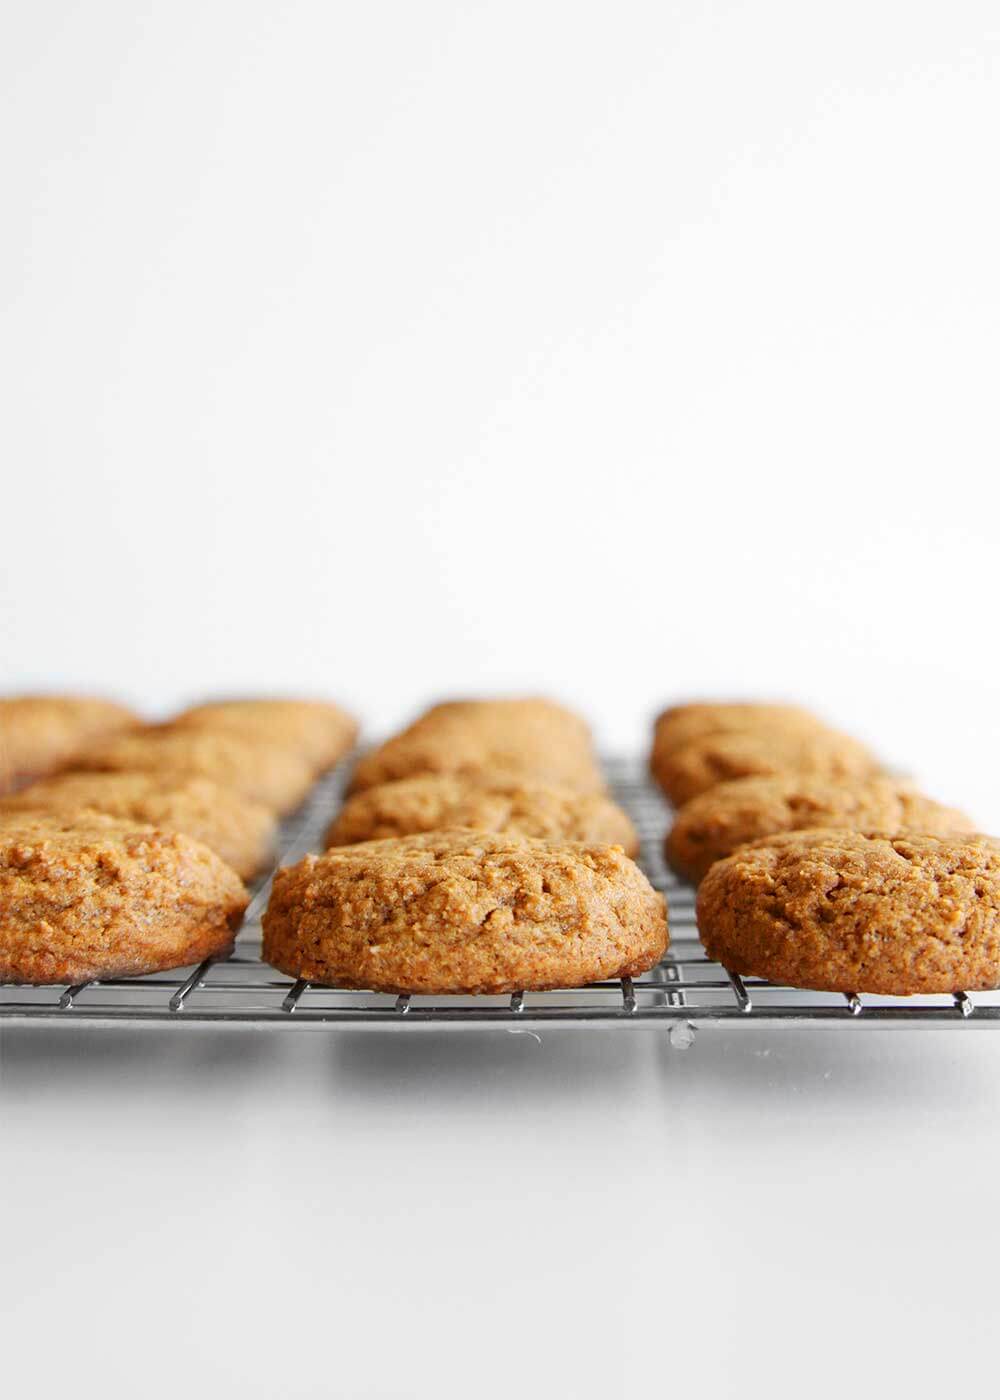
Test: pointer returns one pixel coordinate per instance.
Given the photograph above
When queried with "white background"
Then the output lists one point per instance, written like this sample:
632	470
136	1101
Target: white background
395	349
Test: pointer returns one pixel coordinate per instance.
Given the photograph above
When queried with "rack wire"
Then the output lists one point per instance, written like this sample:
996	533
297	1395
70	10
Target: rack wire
683	992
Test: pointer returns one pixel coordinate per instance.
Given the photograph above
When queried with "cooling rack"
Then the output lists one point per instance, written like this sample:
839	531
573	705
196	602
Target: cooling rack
683	992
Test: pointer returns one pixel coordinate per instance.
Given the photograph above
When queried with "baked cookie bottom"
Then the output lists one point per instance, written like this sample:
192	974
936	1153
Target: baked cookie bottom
97	962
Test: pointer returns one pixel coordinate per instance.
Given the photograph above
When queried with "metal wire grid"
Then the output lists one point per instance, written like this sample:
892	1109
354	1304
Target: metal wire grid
683	992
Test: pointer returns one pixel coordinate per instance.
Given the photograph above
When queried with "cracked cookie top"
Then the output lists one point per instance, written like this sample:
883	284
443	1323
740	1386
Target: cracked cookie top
464	911
87	896
712	825
853	912
482	802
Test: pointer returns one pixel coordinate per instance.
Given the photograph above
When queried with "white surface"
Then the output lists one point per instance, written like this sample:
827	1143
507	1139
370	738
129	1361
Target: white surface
596	1215
390	350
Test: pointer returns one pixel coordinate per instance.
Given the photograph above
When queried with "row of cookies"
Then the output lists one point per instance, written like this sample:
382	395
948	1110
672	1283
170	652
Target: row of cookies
221	772
477	851
130	857
521	766
815	868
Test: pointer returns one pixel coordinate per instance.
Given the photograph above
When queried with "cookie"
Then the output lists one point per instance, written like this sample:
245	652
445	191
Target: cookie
531	738
703	763
711	826
498	804
680	724
97	897
519	713
321	732
460	911
264	773
843	911
241	832
40	733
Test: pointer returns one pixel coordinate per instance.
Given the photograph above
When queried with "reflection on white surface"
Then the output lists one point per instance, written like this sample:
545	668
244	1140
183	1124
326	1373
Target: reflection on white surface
271	1207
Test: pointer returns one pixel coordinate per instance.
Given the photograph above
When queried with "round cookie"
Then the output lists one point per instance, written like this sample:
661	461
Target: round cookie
431	802
517	714
241	832
408	756
460	911
843	911
262	773
703	763
321	732
95	897
527	738
40	733
711	826
680	724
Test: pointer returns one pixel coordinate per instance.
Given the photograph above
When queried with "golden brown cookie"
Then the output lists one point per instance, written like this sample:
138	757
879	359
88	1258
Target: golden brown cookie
531	738
519	713
240	831
40	733
321	732
437	800
96	897
680	724
264	773
711	826
841	911
460	911
701	764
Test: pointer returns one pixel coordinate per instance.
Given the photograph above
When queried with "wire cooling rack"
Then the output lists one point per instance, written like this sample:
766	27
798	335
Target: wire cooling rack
686	990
